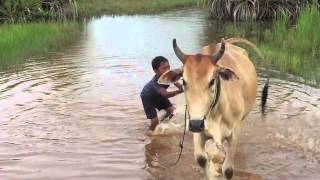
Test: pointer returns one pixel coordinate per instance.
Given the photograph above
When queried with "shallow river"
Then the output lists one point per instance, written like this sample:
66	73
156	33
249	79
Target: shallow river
76	113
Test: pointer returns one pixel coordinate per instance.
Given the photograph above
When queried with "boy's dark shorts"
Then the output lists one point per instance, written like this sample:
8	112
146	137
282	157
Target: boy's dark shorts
150	105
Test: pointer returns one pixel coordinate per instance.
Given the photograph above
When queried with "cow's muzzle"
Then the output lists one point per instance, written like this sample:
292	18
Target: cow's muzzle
196	125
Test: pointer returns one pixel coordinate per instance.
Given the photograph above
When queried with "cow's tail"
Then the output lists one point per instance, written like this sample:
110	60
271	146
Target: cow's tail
264	95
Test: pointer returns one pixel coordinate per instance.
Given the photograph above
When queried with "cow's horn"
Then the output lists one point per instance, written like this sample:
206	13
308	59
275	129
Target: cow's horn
178	52
220	53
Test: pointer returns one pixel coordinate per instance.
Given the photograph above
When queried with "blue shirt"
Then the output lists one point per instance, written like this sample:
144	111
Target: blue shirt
151	89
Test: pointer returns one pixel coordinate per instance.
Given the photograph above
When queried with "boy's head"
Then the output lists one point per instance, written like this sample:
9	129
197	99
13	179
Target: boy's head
160	65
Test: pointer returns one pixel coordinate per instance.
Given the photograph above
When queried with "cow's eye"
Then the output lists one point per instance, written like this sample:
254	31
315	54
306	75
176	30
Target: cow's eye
184	83
211	82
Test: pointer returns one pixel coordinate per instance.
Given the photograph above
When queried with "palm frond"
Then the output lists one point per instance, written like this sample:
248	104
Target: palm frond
256	9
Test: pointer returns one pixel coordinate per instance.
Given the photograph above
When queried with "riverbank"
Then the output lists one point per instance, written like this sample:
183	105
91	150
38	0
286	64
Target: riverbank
20	41
88	8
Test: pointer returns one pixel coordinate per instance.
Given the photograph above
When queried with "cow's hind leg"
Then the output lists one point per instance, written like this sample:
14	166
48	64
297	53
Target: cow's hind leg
199	153
228	165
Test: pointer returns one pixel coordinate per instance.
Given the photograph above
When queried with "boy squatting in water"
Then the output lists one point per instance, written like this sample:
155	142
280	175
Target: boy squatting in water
155	95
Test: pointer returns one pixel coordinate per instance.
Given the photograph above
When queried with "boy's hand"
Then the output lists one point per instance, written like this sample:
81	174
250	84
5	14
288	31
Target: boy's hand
179	86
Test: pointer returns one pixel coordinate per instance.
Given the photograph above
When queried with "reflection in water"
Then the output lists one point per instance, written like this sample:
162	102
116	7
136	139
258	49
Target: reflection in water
76	114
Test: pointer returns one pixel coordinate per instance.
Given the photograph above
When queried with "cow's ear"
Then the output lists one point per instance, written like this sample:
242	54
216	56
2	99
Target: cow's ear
171	76
227	74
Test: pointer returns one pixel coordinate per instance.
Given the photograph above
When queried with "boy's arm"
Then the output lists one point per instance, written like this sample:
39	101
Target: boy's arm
163	92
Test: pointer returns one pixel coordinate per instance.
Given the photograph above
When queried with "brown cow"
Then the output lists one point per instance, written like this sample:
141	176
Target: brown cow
220	89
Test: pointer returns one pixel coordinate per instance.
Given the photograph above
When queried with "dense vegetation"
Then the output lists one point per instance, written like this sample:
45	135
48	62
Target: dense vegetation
13	11
255	9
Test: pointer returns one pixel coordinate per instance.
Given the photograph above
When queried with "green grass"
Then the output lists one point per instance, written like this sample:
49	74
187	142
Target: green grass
293	49
21	41
118	7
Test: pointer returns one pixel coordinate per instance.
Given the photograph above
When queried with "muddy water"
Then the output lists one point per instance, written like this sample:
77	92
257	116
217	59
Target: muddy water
76	113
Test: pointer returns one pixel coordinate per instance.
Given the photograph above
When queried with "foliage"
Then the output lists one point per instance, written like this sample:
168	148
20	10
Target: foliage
254	9
12	11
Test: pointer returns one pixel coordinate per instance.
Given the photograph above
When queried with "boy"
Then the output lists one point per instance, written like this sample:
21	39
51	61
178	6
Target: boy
155	95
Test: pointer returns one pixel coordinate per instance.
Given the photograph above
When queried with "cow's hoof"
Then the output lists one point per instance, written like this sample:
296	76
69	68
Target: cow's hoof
228	173
202	161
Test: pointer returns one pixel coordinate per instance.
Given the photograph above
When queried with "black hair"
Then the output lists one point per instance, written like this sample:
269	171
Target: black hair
157	60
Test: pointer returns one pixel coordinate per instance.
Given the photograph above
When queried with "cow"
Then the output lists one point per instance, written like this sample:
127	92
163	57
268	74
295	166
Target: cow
220	86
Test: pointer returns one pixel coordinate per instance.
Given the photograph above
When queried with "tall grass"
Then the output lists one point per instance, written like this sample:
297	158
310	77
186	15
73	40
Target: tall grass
116	7
291	47
21	41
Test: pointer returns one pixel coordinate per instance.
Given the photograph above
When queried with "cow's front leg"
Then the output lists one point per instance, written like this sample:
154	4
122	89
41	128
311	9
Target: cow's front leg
199	153
228	165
